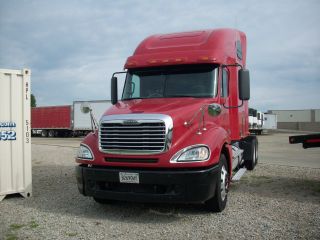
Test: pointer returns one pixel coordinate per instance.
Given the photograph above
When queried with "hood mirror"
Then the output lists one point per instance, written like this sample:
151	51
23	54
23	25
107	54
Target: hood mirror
214	109
85	108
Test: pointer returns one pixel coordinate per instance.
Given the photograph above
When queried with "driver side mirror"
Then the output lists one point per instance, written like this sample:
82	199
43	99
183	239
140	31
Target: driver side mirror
114	90
244	84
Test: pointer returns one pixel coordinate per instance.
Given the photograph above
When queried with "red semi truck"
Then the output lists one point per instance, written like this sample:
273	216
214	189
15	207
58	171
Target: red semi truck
180	131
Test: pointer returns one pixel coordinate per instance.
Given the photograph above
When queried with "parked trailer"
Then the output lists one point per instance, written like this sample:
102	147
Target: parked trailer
270	121
256	121
15	133
64	121
181	126
52	121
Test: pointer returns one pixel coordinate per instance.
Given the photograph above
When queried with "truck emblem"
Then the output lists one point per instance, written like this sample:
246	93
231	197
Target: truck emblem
130	122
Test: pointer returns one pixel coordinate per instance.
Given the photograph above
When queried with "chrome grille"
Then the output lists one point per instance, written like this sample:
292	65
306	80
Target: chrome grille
132	137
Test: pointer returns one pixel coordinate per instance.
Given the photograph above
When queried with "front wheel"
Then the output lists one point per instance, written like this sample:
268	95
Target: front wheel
218	202
251	159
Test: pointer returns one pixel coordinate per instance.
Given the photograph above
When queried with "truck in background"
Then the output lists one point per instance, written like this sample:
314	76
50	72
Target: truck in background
255	121
180	131
270	121
65	121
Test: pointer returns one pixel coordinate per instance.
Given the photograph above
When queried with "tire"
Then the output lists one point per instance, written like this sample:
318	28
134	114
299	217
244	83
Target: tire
218	202
44	133
103	201
251	159
51	133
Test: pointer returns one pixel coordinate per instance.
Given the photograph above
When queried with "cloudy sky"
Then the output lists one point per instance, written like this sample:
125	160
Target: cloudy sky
73	47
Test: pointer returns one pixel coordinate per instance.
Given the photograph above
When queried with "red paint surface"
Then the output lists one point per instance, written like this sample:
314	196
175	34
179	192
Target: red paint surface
57	117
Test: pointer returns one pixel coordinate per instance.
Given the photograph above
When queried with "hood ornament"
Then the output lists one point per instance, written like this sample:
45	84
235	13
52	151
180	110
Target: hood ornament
213	110
130	122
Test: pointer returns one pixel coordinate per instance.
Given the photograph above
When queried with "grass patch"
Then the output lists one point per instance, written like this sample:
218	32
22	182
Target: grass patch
33	224
310	184
11	236
15	226
71	234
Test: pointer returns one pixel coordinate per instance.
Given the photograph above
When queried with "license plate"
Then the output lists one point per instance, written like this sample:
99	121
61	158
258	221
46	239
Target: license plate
126	177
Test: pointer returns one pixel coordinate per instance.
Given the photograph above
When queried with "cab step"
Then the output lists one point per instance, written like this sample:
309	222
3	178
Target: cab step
239	174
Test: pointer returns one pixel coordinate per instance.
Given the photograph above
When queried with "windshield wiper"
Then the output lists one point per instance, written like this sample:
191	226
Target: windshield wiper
188	96
132	98
174	96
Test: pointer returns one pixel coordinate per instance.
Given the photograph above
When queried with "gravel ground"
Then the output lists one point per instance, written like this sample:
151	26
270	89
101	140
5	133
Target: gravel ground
270	202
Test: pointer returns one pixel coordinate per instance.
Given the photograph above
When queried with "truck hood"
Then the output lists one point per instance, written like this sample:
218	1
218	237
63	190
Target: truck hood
179	109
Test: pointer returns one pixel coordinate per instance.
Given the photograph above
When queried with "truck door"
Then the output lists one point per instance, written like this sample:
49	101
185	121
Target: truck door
224	97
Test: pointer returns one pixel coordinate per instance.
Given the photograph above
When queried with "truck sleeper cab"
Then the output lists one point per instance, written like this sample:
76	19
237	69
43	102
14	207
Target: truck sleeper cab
181	126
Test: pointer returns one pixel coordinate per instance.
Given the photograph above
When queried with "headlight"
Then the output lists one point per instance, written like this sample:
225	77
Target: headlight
84	152
193	153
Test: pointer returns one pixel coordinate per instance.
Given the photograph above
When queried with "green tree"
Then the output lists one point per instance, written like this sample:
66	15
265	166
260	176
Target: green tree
33	101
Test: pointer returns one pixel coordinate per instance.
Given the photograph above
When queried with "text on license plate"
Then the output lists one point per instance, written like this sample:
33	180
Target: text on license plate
127	177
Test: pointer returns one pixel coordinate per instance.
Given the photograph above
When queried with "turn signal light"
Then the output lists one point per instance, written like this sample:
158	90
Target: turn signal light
131	63
207	58
152	61
204	58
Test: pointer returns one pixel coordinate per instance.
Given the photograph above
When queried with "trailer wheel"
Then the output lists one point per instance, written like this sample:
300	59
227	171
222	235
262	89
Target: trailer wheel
218	202
44	133
251	158
51	133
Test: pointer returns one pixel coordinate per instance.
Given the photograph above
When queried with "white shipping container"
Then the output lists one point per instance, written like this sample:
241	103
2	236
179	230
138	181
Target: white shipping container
15	133
82	121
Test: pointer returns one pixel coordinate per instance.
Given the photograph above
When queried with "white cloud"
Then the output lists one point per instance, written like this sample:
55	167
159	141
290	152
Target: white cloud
74	46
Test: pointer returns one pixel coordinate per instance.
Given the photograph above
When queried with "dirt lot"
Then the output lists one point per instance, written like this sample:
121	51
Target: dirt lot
279	199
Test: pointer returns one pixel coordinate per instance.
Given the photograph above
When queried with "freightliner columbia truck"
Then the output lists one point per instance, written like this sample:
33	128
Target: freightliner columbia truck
180	131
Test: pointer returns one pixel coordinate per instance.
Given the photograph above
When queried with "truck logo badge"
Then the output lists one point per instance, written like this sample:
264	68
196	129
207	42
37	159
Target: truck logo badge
130	122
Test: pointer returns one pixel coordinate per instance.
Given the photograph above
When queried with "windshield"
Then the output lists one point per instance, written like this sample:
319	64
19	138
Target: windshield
174	81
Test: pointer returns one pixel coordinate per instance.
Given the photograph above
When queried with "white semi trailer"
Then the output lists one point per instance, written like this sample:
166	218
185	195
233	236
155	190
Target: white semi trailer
270	121
255	121
82	121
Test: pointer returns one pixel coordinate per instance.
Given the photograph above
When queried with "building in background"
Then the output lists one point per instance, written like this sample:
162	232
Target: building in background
304	120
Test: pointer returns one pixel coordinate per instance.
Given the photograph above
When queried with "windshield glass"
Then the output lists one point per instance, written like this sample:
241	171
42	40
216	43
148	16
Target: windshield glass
174	81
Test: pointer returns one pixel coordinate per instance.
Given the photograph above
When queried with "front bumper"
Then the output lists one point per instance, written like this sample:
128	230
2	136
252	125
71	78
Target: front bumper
180	186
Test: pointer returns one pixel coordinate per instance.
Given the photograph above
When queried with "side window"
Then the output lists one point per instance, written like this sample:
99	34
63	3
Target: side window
132	90
239	49
225	83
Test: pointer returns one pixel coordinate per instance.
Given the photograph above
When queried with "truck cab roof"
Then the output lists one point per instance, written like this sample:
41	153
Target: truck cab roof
205	46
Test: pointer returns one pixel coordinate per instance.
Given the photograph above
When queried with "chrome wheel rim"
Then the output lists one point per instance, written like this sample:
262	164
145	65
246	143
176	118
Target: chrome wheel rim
224	183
